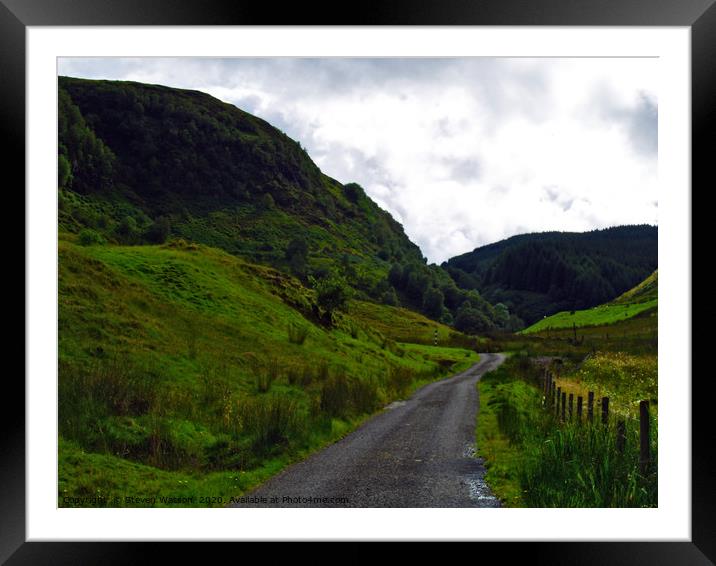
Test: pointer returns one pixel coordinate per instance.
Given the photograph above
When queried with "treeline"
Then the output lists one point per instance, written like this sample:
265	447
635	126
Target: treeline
428	289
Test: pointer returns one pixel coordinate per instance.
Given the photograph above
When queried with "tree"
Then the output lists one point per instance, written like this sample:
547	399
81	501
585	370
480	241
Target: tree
64	172
433	303
332	294
502	315
471	320
395	275
353	191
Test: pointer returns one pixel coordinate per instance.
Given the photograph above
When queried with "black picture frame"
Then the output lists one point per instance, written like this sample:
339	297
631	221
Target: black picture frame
17	15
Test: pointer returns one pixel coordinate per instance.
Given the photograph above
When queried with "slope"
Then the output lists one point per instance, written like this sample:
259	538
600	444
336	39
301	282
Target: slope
185	371
141	162
642	300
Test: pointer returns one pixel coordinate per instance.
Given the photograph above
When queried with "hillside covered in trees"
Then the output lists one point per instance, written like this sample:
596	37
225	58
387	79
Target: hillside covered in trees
140	163
536	275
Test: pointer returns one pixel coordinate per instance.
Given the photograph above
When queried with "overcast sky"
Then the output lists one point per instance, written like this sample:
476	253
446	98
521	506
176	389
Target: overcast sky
462	151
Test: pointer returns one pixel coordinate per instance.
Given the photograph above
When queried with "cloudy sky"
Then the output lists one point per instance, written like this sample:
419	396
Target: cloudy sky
462	151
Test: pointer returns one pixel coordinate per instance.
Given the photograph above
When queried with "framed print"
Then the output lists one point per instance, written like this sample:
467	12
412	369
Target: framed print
289	260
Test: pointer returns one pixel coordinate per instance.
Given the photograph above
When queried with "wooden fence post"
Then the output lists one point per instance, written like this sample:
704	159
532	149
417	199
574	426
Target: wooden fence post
559	397
579	408
590	406
621	436
605	410
571	404
564	403
644	448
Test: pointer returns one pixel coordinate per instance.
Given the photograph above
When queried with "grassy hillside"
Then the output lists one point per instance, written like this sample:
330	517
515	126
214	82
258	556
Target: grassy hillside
644	292
638	301
185	371
540	274
140	161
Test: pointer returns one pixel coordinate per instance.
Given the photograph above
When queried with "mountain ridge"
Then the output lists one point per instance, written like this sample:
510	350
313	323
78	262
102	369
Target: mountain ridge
539	274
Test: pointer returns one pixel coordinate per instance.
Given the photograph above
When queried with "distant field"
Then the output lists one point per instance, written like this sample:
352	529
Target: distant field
597	316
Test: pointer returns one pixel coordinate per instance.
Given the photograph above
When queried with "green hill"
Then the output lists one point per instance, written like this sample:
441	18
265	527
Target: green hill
641	300
185	371
536	275
141	163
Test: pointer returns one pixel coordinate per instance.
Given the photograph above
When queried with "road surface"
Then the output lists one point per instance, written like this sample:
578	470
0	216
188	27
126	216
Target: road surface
416	453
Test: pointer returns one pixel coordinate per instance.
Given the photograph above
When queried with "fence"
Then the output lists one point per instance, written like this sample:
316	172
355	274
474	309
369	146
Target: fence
556	400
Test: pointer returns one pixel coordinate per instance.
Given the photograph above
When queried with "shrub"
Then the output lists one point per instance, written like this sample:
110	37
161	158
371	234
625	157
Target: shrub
88	237
128	231
159	231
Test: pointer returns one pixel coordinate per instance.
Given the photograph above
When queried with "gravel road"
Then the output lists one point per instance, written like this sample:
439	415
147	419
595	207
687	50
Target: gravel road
415	453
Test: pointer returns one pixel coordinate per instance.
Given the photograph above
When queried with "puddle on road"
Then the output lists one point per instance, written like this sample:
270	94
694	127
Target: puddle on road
478	489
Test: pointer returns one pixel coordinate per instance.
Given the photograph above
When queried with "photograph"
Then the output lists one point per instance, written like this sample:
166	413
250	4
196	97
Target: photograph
358	282
414	275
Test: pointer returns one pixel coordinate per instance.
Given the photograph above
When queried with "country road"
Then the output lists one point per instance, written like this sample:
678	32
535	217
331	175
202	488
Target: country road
415	453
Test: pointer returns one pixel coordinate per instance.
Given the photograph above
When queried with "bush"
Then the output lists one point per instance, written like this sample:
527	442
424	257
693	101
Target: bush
88	237
128	231
159	231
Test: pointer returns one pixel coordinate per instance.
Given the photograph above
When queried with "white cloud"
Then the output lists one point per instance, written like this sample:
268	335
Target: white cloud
463	152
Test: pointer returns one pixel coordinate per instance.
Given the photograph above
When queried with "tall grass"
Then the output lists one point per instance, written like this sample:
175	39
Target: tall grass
272	421
580	466
568	464
104	388
266	373
297	333
341	396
